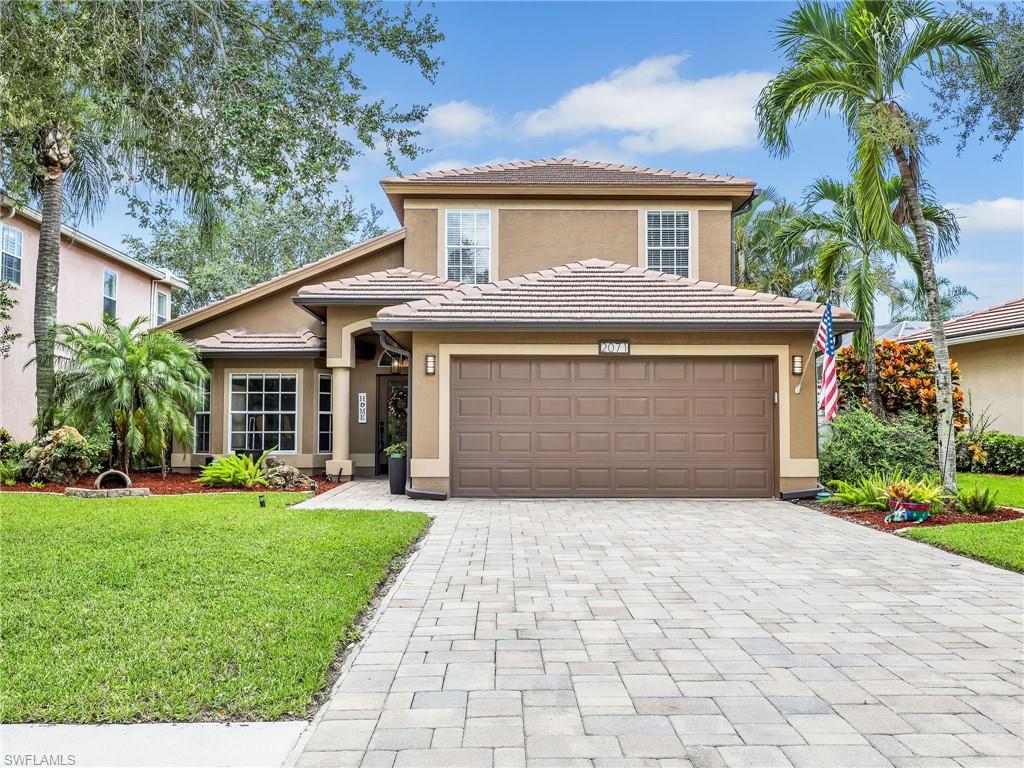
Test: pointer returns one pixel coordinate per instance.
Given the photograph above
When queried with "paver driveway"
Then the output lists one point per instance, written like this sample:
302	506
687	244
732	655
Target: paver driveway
675	633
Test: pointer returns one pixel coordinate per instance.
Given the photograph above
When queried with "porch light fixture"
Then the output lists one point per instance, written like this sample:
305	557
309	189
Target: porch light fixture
798	365
396	365
431	364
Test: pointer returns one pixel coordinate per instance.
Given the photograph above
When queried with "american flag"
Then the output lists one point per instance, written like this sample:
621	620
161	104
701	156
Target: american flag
828	399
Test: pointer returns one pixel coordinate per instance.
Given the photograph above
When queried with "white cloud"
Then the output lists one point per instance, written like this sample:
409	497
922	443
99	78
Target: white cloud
1004	214
459	120
657	110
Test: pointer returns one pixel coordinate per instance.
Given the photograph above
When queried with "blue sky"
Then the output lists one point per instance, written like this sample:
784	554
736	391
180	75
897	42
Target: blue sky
656	84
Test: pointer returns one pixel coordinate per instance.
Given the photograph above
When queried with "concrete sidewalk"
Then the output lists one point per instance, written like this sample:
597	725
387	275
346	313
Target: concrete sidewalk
196	745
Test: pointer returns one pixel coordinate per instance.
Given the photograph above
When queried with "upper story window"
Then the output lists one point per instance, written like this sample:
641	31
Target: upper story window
10	255
162	311
468	245
109	293
668	242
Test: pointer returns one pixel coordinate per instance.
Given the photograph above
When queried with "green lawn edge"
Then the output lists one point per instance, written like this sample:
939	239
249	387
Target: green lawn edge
191	608
998	544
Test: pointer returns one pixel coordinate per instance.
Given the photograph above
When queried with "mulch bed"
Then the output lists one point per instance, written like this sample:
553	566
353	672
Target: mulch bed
174	483
875	518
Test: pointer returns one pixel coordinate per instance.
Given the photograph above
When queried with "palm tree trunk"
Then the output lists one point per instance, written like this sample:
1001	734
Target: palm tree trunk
930	288
47	276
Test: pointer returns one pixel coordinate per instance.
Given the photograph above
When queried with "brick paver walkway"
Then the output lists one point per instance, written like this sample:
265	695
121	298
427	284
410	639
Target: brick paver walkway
676	633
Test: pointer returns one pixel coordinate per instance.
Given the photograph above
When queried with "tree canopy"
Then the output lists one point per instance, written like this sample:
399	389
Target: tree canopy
256	241
198	99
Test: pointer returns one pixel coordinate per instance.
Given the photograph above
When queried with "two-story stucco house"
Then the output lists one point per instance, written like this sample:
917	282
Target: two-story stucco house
559	328
95	279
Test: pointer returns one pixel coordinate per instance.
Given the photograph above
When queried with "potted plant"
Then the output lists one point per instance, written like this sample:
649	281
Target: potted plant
911	500
396	453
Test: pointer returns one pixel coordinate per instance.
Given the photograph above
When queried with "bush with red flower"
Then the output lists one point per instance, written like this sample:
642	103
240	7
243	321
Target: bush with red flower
906	379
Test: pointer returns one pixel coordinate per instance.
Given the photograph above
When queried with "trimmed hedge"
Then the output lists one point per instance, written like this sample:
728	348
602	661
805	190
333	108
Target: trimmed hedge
1005	454
860	443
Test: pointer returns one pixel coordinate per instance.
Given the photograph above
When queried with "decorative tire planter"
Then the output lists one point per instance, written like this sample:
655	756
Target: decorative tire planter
396	475
908	511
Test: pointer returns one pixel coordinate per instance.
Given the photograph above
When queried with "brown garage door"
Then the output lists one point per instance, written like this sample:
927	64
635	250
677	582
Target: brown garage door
613	427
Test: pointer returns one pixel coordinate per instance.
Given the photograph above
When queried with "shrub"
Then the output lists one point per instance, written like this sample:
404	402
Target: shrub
906	379
397	450
236	471
61	456
867	491
860	442
10	471
976	500
996	452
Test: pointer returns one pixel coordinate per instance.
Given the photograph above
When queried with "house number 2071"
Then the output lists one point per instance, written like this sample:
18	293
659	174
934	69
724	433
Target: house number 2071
613	347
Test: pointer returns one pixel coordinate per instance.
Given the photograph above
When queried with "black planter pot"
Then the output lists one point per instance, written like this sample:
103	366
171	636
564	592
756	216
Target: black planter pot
396	475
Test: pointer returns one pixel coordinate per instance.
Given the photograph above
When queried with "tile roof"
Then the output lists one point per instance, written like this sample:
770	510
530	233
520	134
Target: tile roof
604	293
567	170
390	285
240	342
1002	319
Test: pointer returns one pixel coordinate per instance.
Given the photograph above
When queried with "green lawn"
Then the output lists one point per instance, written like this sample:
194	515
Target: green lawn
1001	544
1009	487
181	608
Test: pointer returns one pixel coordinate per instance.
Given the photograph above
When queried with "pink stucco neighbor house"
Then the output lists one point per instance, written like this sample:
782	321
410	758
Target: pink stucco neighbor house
94	279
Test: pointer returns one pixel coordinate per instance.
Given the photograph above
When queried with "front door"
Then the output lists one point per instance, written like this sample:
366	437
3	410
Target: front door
392	412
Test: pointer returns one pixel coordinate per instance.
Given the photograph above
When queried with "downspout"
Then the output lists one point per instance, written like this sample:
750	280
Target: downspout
393	347
744	207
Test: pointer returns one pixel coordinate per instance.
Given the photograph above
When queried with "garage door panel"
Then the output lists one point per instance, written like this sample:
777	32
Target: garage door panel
613	427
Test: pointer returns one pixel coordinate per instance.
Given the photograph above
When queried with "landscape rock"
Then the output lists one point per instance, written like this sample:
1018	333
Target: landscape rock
60	456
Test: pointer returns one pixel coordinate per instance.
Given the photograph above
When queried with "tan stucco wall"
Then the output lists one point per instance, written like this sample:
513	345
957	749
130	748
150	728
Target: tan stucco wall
528	235
421	240
277	311
992	377
531	240
79	299
715	246
798	460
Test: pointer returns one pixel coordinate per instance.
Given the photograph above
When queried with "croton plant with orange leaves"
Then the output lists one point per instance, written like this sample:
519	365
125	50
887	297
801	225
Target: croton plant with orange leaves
906	379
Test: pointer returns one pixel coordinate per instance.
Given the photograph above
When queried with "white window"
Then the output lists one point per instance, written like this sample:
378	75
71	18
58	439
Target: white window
263	412
10	255
202	421
161	312
323	416
468	245
109	293
668	242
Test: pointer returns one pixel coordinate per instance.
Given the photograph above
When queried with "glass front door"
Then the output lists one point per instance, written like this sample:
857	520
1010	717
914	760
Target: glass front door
392	415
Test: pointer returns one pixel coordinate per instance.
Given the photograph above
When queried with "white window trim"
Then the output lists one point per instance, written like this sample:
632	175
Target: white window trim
491	239
694	262
19	245
230	374
113	298
206	387
319	413
156	308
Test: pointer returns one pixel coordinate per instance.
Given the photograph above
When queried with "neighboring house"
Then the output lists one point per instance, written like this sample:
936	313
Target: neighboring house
571	328
95	279
899	328
988	345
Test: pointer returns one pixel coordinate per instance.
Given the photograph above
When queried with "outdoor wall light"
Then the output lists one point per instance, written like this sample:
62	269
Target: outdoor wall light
798	365
431	364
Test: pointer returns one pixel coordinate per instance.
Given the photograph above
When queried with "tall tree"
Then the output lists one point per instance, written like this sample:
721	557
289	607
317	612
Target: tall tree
853	263
255	241
185	103
909	303
763	262
854	59
145	385
992	106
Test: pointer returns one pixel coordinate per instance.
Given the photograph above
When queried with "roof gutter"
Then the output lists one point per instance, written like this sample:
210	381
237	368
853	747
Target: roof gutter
393	347
400	324
743	208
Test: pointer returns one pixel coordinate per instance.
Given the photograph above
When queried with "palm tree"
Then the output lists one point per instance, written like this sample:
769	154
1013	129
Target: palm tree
854	59
145	385
762	263
910	303
853	264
